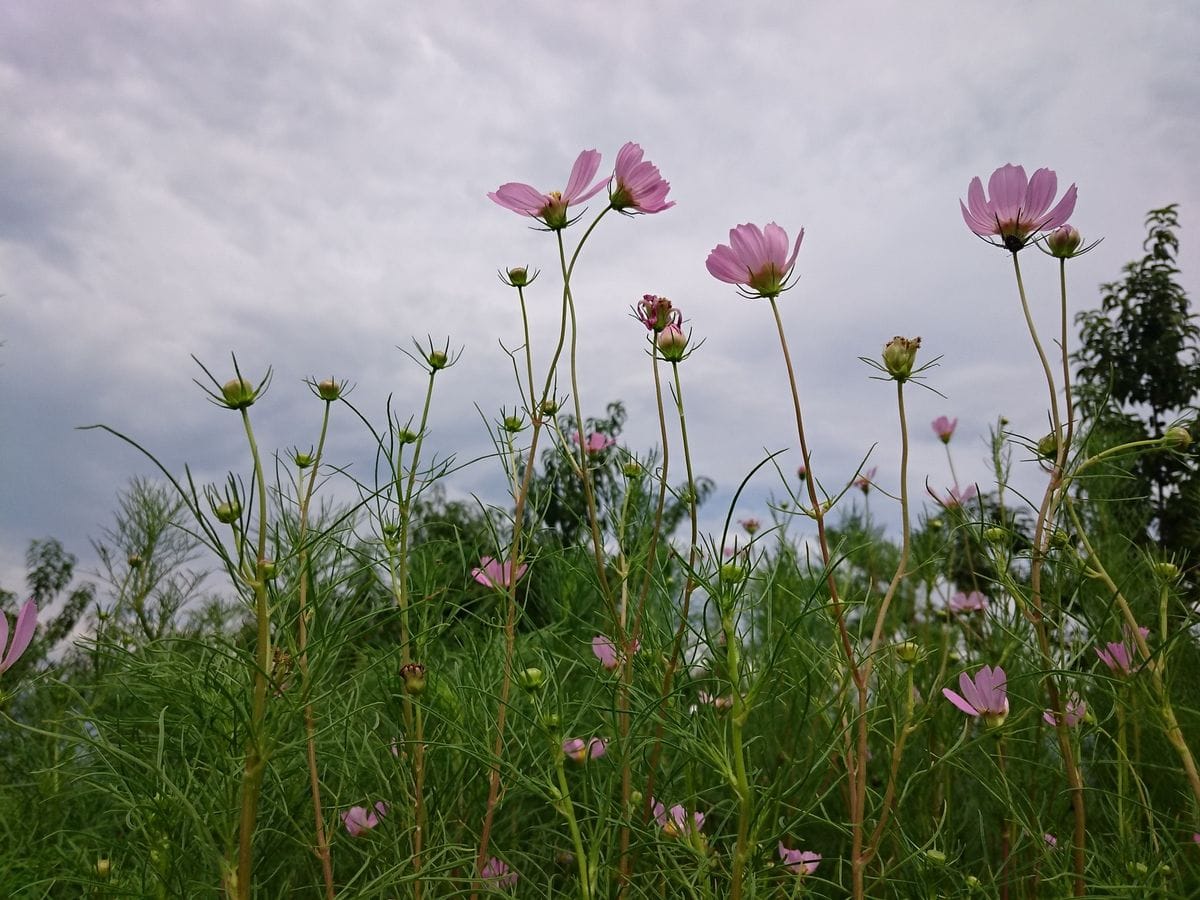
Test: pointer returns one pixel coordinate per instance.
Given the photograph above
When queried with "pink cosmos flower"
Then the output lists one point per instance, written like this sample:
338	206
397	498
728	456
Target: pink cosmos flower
751	525
863	481
656	313
944	427
581	751
595	442
955	496
495	574
638	187
551	208
968	603
801	862
606	651
1016	210
498	873
1120	656
674	821
755	259
1073	712
1051	840
359	820
26	625
986	696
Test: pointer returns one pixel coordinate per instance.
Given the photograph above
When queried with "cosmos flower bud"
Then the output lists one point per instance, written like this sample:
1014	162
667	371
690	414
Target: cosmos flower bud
532	679
228	512
1166	570
302	460
899	356
406	436
513	424
1178	436
994	535
548	407
672	343
1064	241
632	469
103	867
413	675
908	651
437	359
238	393
1047	447
518	276
135	561
936	857
732	573
329	390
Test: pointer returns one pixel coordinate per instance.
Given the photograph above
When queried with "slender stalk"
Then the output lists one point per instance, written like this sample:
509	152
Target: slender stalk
256	761
567	807
310	723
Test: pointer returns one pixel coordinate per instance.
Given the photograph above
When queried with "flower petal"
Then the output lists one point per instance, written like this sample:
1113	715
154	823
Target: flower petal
960	702
1061	212
1042	188
521	198
22	634
584	170
724	265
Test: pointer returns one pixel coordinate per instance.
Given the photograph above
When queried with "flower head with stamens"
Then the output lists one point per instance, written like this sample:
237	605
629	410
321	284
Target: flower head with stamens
495	574
637	185
799	862
756	259
359	820
1016	209
581	751
985	696
551	209
675	821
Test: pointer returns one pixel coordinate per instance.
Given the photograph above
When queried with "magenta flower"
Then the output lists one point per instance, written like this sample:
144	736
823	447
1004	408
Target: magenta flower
23	631
968	603
801	862
1073	712
986	696
672	343
498	873
656	313
581	751
1120	656
751	525
755	259
359	820
863	481
594	442
675	821
551	208
495	574
1051	840
606	651
955	496
638	187
1016	210
944	427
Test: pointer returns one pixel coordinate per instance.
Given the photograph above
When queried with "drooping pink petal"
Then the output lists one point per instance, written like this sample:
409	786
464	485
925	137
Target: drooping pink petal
584	170
960	702
521	198
724	265
22	634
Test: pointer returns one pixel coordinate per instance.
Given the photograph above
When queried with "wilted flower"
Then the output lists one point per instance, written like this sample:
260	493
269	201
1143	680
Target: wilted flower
551	208
751	525
495	574
756	259
26	625
638	187
606	651
1120	656
986	696
801	862
498	873
900	355
656	313
581	751
675	821
1016	211
594	442
863	481
1073	712
966	603
359	819
944	427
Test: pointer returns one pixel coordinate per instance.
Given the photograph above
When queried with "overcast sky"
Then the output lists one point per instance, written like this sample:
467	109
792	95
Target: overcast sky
305	185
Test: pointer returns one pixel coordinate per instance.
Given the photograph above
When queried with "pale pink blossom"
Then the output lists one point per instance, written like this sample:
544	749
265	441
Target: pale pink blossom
1120	656
955	497
863	481
755	259
551	208
968	602
594	442
984	696
637	185
1051	840
495	574
1015	210
675	821
751	525
498	873
943	427
359	820
606	651
23	630
581	751
800	862
1073	712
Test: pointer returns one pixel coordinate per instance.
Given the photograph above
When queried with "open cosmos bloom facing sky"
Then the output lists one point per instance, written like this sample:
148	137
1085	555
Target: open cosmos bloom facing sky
1015	208
985	696
756	259
551	208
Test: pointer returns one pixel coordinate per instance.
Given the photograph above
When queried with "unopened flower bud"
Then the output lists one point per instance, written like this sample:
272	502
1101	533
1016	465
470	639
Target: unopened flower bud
513	424
1137	869
935	524
973	884
732	573
532	679
391	531
302	460
518	276
1166	570
994	534
550	722
329	390
1059	538
899	356
672	343
406	436
413	675
937	857
437	359
238	393
548	407
135	561
633	469
1064	241
1047	447
1178	436
227	513
908	651
103	867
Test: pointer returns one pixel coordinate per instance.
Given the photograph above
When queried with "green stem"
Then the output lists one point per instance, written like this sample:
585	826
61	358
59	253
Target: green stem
568	811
